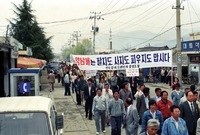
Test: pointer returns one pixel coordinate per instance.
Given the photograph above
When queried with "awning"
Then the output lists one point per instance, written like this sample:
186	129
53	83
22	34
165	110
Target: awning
28	62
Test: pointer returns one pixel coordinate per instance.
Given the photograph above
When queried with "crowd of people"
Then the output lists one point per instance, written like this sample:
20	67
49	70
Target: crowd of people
109	101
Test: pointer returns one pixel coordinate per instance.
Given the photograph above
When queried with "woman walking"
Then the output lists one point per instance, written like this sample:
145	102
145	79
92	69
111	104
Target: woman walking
51	80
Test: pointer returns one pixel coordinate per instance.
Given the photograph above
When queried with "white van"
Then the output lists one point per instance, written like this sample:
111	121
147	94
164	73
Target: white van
32	115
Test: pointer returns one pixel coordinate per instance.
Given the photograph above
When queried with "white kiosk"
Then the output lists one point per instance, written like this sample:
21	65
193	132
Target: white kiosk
24	82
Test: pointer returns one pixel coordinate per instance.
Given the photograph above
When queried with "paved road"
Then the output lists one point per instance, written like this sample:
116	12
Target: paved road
75	122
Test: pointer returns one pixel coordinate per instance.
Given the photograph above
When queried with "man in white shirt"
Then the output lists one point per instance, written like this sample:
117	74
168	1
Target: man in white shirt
107	92
183	99
157	92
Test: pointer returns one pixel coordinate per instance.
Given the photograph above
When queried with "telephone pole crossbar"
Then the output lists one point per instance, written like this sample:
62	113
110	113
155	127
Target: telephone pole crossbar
96	16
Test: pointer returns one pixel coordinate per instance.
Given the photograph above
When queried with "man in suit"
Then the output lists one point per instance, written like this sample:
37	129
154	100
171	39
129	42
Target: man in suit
198	127
133	84
131	118
152	127
120	81
190	113
89	94
142	103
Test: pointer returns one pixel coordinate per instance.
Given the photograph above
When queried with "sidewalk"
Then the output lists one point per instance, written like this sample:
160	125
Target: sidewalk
75	122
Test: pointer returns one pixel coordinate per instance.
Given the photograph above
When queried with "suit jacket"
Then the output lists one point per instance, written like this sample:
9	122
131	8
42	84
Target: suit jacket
141	105
92	93
189	116
132	121
120	82
198	127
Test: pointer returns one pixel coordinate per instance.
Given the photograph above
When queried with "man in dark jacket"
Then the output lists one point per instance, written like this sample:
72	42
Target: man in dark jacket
190	113
89	94
80	87
120	81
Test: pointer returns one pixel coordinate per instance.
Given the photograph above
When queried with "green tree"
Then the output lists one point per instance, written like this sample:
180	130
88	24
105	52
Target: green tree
27	31
83	48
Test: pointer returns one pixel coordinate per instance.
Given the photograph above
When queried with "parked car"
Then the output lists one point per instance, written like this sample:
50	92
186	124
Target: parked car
32	115
53	66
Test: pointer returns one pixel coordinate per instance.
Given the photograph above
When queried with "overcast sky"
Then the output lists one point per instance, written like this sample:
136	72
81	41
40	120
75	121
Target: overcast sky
156	16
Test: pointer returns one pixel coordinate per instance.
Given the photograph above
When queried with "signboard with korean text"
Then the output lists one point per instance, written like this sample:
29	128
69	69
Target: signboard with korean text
90	73
193	45
124	61
130	72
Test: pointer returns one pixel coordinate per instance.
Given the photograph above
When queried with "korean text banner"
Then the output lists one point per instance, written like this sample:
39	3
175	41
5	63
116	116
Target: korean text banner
123	61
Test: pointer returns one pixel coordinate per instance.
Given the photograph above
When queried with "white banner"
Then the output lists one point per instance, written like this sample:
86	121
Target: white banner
90	73
130	72
123	61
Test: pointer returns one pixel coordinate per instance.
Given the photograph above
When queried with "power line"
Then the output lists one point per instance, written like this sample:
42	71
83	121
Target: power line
120	15
113	6
84	18
165	24
153	37
194	11
128	37
164	33
143	17
101	5
63	21
107	6
128	8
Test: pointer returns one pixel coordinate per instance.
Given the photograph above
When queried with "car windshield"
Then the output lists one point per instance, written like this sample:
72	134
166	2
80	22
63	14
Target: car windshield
24	124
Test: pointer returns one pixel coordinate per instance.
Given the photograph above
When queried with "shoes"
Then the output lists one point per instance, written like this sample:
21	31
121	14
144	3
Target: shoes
90	118
108	124
97	133
104	131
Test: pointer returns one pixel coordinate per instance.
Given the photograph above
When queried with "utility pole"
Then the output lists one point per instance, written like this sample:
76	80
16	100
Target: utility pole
7	29
178	40
76	35
71	41
96	16
110	41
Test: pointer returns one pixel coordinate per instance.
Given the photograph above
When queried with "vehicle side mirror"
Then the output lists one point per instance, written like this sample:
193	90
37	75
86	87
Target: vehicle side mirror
59	122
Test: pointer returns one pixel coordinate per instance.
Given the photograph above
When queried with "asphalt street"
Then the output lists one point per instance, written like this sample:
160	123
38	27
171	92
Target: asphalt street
75	122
